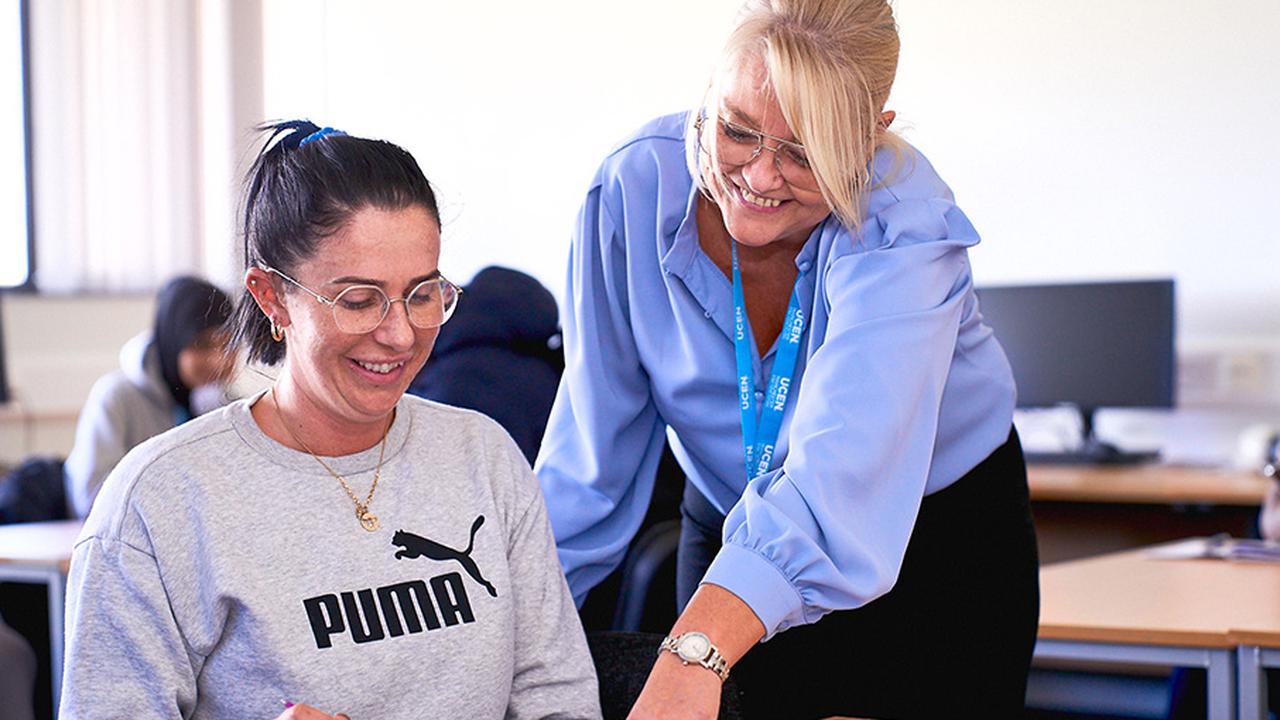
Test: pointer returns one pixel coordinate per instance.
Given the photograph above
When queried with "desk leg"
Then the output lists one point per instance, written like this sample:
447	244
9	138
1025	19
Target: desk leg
57	600
1222	684
1253	683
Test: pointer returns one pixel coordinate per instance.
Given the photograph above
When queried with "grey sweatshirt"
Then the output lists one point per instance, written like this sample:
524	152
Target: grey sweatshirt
220	573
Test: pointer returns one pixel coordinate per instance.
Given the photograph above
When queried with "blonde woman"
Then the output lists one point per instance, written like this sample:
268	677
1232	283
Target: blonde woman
781	287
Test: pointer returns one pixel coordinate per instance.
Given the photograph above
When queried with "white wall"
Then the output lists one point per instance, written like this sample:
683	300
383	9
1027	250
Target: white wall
13	149
508	106
57	347
1108	139
1086	139
1105	139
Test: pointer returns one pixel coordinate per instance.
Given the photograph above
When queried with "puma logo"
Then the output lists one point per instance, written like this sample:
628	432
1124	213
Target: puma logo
416	546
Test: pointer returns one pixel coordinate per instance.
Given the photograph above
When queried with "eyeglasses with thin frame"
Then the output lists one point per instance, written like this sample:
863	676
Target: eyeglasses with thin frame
359	309
738	145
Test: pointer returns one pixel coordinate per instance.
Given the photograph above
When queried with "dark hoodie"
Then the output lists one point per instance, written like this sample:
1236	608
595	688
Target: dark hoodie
499	354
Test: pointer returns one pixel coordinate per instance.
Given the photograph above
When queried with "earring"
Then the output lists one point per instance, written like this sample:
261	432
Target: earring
277	332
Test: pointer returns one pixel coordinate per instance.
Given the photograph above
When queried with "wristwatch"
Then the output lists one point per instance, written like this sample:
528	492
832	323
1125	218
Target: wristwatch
694	647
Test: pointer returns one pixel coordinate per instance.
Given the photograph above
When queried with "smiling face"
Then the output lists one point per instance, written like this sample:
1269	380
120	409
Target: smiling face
757	204
347	381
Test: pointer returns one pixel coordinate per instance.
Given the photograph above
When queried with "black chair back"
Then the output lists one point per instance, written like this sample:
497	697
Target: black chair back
33	492
623	661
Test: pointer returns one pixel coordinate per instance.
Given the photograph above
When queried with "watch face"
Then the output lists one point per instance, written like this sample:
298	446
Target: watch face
693	647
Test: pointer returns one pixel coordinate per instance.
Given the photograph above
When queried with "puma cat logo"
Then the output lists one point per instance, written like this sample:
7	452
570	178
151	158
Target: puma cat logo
415	546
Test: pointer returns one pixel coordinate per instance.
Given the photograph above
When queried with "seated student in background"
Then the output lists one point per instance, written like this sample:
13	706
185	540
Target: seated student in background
500	354
331	542
167	375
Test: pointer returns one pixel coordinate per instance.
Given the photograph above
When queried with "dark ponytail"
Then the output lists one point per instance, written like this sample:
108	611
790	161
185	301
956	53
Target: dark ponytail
305	184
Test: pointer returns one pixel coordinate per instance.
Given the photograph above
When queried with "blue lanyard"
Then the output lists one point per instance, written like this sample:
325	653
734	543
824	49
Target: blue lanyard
760	437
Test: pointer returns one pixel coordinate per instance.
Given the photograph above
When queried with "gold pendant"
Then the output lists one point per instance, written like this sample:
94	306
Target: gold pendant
368	520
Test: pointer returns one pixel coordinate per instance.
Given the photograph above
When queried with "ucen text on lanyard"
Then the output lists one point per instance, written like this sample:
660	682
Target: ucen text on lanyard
760	437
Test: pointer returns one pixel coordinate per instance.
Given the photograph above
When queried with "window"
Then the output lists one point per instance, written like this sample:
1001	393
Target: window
15	235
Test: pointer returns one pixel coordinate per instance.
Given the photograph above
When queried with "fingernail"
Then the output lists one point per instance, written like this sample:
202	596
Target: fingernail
286	703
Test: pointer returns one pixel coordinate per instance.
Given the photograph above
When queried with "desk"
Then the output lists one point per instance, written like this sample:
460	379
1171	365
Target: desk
1082	511
1259	640
41	552
1145	485
1128	608
1125	608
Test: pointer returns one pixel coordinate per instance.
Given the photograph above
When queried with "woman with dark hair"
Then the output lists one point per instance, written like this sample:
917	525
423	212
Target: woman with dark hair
331	542
167	375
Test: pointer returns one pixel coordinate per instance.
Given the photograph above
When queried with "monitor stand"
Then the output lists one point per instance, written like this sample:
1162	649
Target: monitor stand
1092	450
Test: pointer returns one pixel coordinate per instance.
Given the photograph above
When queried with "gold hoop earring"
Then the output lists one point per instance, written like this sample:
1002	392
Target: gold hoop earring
277	332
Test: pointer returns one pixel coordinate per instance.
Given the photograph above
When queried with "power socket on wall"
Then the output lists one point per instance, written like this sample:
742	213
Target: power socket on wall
1239	377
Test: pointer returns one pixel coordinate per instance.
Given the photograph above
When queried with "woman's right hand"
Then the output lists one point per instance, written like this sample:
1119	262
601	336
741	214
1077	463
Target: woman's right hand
306	712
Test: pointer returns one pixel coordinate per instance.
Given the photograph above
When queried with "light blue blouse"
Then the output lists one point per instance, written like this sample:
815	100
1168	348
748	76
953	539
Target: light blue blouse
901	387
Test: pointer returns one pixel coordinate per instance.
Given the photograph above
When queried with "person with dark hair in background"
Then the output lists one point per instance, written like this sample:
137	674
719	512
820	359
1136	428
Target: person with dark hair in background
167	375
500	354
331	542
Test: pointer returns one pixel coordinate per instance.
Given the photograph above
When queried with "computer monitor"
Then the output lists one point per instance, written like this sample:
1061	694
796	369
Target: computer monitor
1089	345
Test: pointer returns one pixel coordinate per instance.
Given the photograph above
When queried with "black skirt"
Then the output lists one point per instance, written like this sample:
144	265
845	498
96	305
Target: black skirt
953	637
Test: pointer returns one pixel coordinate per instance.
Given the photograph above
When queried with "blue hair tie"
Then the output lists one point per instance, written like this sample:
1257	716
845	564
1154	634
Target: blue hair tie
319	134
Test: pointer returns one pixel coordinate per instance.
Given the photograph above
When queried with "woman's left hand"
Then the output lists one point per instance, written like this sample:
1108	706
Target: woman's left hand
692	692
675	691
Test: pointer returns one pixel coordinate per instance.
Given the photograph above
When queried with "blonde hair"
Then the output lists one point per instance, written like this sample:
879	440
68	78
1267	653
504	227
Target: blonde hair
831	64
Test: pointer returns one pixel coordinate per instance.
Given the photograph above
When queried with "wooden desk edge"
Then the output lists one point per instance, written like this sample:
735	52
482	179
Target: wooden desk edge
1122	497
1132	636
1145	485
1260	638
62	563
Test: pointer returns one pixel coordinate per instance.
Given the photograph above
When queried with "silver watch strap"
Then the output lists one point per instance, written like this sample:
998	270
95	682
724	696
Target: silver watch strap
714	661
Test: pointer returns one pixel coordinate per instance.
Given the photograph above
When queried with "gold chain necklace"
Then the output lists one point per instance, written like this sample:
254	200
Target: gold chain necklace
367	519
